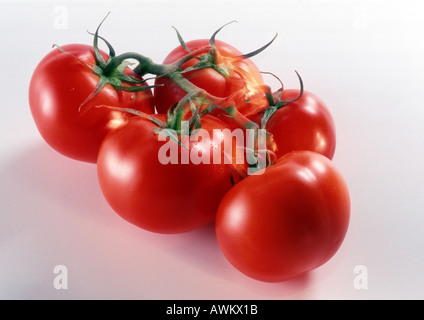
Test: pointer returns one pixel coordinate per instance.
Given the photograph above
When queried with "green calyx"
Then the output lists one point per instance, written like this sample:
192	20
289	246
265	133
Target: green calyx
208	61
275	102
211	58
112	71
197	103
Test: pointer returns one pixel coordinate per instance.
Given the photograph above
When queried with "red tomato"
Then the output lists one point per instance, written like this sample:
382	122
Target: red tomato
238	74
159	197
60	85
287	221
305	124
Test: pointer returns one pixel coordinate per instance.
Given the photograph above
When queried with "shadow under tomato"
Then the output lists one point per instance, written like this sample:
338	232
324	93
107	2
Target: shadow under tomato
39	176
200	249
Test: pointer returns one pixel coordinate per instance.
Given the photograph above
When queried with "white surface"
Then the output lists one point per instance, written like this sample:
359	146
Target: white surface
364	58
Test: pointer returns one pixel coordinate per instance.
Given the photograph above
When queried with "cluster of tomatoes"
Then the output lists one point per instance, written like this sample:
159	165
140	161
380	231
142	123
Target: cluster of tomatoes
176	155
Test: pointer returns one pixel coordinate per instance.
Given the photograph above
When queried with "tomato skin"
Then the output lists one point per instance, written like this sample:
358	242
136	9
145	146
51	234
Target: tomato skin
161	198
59	86
305	124
247	78
287	221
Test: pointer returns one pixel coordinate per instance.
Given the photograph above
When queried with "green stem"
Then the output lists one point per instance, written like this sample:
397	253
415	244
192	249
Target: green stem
145	66
192	54
185	84
173	71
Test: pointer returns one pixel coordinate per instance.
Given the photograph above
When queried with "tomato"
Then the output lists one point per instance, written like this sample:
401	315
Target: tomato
68	122
236	74
143	188
305	124
287	221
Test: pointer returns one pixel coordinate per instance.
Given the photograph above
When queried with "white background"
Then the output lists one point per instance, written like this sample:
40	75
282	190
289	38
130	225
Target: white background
363	58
